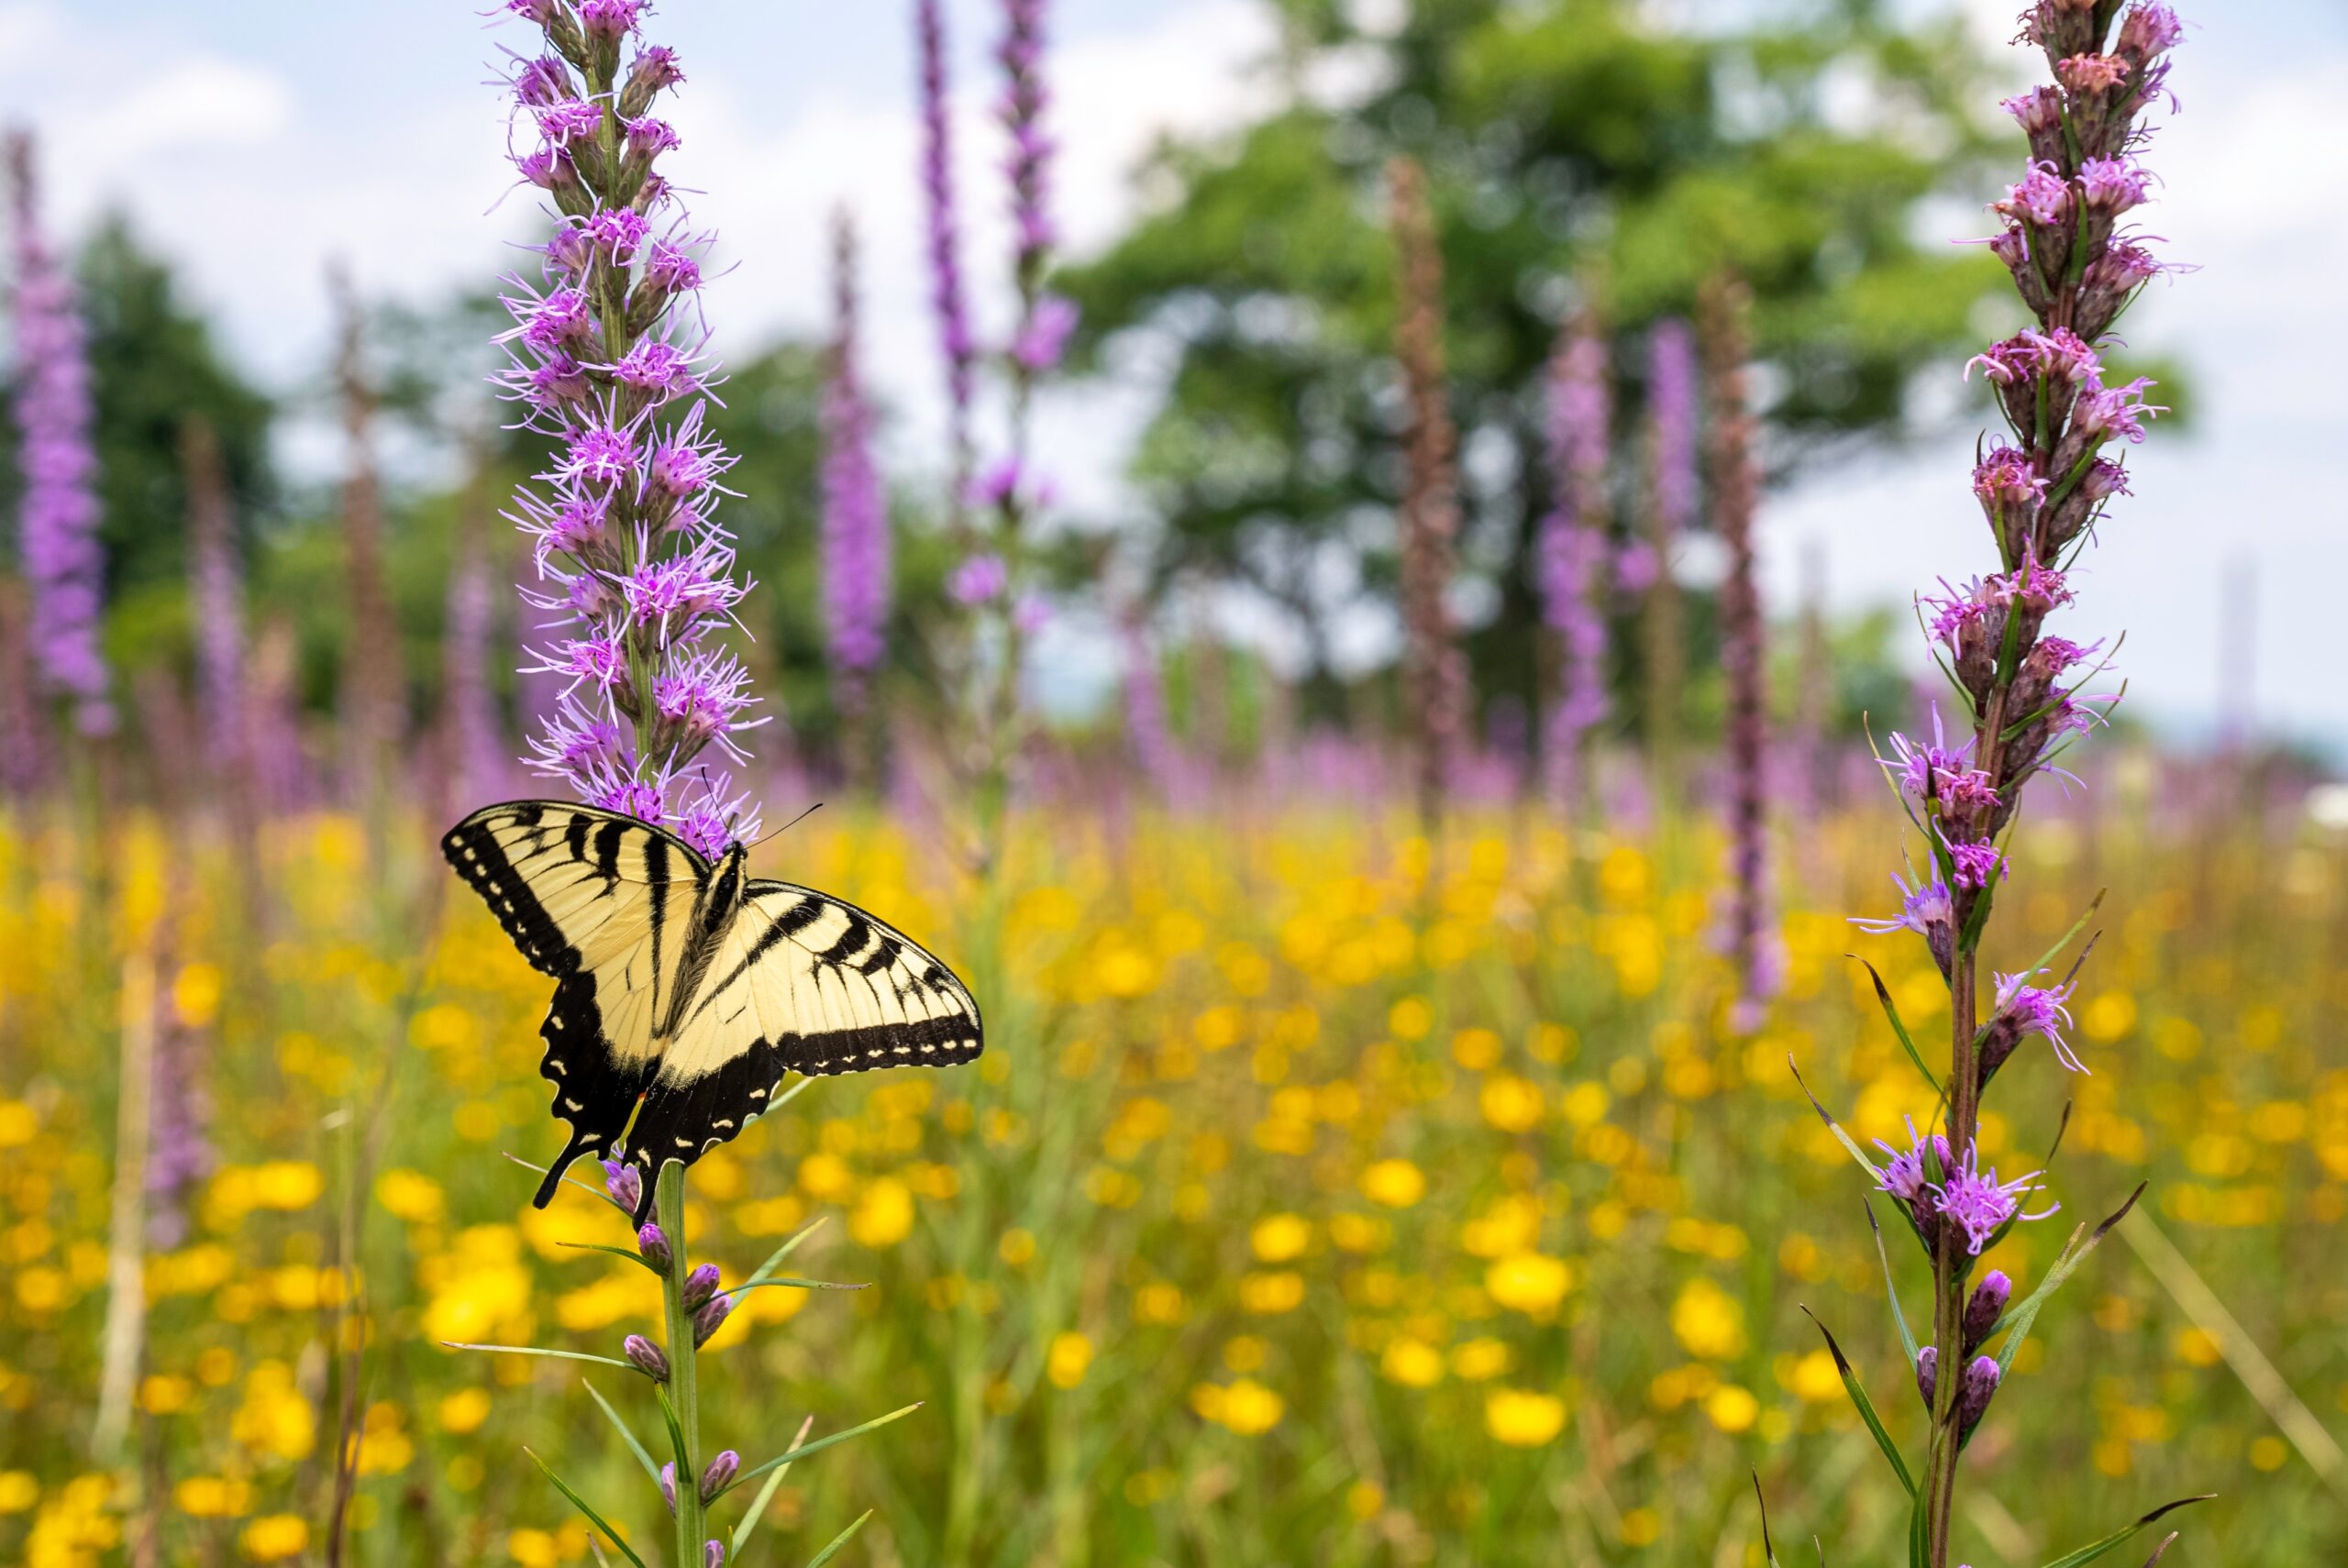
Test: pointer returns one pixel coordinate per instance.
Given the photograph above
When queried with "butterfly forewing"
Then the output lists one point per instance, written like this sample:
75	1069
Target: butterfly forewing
794	981
601	901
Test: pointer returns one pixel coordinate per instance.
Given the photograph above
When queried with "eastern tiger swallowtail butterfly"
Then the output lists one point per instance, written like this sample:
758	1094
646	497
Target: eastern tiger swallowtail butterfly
690	987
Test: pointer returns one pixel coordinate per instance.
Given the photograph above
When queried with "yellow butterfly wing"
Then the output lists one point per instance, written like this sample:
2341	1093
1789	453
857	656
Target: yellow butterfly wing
801	982
601	902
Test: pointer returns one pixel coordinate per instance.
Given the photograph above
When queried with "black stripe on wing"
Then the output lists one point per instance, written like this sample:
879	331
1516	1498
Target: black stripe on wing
594	1091
683	1121
471	846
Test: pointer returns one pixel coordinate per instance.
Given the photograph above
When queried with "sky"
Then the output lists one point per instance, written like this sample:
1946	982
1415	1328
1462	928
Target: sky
252	140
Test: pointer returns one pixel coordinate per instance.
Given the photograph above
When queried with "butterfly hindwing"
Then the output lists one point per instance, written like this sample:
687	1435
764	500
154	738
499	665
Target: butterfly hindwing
601	901
802	983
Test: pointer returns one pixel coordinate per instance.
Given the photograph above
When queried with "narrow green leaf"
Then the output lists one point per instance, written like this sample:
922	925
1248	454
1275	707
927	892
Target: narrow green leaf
1768	1551
585	1508
2074	1253
789	1281
742	1531
818	1446
791	1245
2121	1537
2162	1550
2065	940
596	1192
628	1252
1866	1407
556	1354
839	1540
1891	1290
685	1476
1834	1126
1920	1552
628	1435
1907	1041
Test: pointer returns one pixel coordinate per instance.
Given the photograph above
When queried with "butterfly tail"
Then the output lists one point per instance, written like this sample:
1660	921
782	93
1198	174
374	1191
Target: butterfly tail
571	1150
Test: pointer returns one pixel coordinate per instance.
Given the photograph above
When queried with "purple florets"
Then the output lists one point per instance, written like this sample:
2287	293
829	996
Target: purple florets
633	574
58	516
855	509
1979	1205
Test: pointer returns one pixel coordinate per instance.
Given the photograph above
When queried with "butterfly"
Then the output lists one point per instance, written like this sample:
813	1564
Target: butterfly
690	987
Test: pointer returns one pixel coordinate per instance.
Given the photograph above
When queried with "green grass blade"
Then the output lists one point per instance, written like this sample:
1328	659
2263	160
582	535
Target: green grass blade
1835	1127
1768	1550
628	1435
743	1531
818	1446
1891	1291
685	1476
556	1354
587	1508
595	1192
1866	1407
2126	1533
1890	1012
791	1245
628	1252
789	1282
839	1540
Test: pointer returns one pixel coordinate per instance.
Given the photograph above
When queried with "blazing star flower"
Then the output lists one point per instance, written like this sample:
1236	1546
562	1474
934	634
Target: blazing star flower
957	342
1926	909
633	572
2091	73
2005	477
2112	185
1978	1204
2040	197
2032	1009
1045	338
978	581
1906	1177
2106	413
57	515
855	528
1977	865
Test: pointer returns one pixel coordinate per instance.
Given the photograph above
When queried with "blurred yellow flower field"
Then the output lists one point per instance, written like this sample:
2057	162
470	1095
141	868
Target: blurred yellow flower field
1322	1196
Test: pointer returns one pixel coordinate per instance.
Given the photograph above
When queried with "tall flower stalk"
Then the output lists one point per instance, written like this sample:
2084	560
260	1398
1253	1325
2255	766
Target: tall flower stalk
58	519
373	677
957	345
471	728
216	593
1435	676
1671	495
634	576
855	540
1570	552
1736	486
2043	490
1008	496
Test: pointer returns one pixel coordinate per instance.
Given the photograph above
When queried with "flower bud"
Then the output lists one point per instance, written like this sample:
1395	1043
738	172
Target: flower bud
1973	1398
699	1286
654	1247
624	1183
713	1555
668	1487
1927	1370
647	1358
1989	1300
706	1320
720	1474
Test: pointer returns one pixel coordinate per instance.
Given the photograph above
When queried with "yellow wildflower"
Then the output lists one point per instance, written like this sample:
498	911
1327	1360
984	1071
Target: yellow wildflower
1521	1419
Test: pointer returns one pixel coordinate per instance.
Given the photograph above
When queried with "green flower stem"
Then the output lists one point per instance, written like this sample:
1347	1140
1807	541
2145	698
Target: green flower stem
684	1386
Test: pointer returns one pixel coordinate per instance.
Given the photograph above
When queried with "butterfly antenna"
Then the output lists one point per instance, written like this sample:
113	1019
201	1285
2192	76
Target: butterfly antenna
792	822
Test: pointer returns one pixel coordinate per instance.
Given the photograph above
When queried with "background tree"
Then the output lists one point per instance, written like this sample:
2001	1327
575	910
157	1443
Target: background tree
1575	149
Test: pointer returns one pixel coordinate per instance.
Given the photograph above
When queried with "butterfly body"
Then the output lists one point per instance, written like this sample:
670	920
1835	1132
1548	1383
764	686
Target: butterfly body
685	992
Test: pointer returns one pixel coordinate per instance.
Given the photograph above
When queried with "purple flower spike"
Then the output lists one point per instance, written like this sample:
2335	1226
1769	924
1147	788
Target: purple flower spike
957	344
634	574
978	581
58	516
1571	551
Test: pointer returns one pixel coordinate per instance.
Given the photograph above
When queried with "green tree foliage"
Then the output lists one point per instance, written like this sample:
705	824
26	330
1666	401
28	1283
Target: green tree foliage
1579	151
